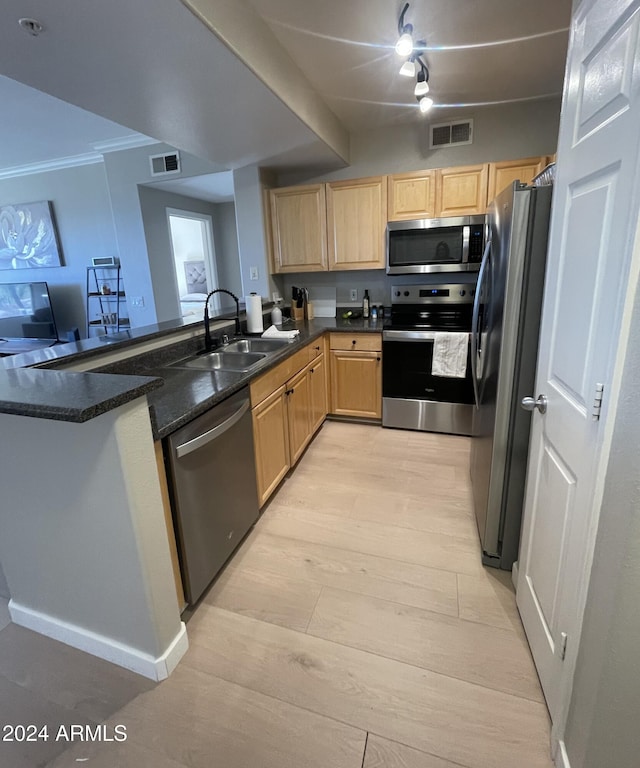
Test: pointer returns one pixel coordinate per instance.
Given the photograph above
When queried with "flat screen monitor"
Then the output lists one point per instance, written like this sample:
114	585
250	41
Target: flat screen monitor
26	313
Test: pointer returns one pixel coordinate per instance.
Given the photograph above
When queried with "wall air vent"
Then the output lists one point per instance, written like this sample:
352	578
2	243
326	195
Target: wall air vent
451	134
164	164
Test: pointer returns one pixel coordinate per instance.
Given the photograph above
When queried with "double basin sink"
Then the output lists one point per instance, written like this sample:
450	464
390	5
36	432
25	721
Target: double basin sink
239	355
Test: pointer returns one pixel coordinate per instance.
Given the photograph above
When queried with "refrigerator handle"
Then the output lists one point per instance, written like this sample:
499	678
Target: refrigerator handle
475	330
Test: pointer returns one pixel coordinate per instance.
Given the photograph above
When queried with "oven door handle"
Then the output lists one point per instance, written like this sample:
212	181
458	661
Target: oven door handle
408	335
475	330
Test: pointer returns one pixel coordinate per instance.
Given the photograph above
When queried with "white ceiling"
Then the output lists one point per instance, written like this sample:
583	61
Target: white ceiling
38	129
214	187
155	68
346	50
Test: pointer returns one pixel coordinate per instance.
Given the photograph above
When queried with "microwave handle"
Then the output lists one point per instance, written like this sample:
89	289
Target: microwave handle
466	234
475	330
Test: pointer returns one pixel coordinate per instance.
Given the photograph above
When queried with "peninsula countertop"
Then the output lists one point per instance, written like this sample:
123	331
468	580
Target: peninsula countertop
175	395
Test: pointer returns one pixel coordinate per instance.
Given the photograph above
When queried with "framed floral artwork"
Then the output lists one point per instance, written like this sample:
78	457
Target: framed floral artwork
28	236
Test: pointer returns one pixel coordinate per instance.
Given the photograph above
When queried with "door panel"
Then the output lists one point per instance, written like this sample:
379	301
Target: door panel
556	486
587	223
582	336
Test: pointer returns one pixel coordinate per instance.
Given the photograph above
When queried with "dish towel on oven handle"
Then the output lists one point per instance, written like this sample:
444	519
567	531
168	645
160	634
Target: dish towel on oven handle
450	354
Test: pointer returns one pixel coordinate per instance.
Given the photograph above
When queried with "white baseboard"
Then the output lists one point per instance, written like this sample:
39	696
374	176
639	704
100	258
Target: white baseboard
514	575
562	758
101	646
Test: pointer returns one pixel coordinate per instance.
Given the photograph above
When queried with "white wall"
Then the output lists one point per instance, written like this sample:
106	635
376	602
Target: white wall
225	234
82	211
602	726
125	171
252	247
153	206
500	133
84	543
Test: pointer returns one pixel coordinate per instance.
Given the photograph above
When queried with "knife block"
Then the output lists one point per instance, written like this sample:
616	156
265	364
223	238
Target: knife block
297	313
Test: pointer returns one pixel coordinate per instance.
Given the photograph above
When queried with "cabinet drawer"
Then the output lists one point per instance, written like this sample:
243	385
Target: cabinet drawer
360	342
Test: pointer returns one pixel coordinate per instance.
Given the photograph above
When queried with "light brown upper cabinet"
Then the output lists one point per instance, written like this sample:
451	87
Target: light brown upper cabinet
461	191
411	195
299	228
504	173
356	222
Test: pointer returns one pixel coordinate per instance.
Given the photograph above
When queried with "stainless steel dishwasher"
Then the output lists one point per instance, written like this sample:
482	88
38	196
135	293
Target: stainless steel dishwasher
213	486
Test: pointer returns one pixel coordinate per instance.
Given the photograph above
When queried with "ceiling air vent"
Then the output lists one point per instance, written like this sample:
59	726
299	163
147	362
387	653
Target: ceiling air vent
451	134
163	164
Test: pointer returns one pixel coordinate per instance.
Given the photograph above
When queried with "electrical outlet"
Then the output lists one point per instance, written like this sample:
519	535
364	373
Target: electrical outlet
137	301
353	294
253	273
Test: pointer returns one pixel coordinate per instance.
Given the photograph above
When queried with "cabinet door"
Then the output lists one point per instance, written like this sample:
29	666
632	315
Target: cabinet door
411	196
318	392
356	384
271	443
504	173
461	191
356	222
298	414
299	228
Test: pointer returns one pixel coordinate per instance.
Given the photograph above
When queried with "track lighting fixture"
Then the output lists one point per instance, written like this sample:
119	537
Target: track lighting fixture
425	104
413	52
404	46
422	84
408	69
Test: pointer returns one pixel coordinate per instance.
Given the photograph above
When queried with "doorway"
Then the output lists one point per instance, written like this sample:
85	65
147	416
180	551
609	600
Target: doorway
194	263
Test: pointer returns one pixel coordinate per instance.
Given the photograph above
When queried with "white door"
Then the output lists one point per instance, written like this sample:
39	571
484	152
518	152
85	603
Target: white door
594	215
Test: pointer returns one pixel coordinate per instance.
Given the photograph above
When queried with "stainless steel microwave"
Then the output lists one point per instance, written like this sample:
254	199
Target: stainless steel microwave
452	244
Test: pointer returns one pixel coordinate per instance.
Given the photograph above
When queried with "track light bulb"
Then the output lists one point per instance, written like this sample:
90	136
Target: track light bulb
422	86
425	104
408	69
404	46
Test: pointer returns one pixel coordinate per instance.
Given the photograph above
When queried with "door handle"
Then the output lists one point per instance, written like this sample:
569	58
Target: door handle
212	434
530	404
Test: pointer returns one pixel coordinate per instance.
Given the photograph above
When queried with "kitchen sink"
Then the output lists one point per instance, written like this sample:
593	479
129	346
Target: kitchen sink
222	361
256	345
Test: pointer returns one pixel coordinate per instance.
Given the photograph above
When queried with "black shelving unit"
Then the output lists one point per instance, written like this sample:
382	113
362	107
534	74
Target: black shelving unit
106	301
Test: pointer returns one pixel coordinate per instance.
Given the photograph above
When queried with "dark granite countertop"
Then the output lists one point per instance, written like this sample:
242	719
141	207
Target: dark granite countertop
78	397
188	393
66	396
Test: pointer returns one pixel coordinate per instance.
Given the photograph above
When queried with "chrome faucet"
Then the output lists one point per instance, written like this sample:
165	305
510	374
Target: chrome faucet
208	344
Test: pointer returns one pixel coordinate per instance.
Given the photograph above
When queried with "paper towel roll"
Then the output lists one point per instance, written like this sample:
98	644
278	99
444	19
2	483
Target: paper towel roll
253	304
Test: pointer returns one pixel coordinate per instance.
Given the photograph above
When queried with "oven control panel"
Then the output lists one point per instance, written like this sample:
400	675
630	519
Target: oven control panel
442	293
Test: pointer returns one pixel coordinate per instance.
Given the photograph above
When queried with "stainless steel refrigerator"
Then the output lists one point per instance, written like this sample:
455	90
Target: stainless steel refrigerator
504	348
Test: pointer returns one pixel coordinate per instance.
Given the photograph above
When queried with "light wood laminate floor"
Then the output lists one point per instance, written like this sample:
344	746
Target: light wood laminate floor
354	628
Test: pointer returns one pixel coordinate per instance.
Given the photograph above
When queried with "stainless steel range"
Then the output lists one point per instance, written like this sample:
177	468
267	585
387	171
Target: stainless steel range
414	394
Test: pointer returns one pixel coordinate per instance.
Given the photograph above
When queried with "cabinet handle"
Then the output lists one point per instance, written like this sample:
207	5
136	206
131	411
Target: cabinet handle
378	359
312	370
317	349
354	342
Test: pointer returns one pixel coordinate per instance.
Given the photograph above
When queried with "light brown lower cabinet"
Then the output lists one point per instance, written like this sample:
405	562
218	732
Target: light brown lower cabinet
298	414
318	393
271	442
356	374
356	384
285	420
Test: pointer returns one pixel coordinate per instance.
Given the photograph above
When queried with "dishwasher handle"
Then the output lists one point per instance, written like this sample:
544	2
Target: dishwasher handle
198	442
